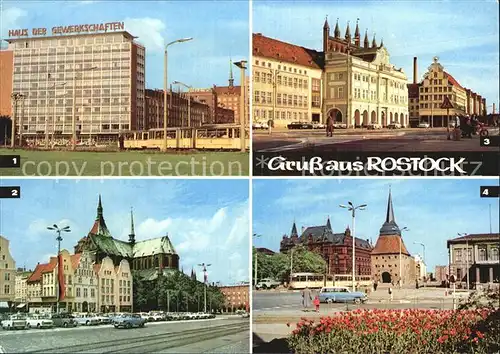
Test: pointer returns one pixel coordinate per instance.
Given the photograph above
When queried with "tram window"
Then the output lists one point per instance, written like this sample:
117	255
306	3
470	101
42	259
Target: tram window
302	278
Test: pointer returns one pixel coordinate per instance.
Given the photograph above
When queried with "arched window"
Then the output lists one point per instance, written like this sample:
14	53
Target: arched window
494	254
482	254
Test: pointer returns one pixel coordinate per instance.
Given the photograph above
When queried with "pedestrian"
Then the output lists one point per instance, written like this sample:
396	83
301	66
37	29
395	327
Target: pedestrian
390	293
375	285
121	140
316	303
416	284
306	298
329	127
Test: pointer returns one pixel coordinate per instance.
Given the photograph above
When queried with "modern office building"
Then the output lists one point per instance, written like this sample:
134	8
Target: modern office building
104	71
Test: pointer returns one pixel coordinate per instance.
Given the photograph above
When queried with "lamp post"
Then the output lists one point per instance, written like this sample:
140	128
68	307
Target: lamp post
242	65
400	256
16	97
255	279
291	266
274	74
423	257
205	278
54	86
467	255
353	209
189	100
165	84
78	74
58	239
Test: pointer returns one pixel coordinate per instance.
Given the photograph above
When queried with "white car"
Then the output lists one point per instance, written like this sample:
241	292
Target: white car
256	125
318	125
423	125
14	322
340	125
394	125
104	319
156	317
267	283
373	126
87	320
39	322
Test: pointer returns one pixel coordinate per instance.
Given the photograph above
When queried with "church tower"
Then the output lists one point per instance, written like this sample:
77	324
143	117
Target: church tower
131	236
231	78
391	261
326	35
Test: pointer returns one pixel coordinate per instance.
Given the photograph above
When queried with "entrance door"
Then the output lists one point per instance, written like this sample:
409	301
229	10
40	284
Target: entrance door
386	277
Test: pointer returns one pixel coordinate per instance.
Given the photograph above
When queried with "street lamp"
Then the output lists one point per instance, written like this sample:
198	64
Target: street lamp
423	256
165	83
353	209
16	97
189	99
73	120
242	65
58	239
255	280
205	278
400	256
274	74
467	255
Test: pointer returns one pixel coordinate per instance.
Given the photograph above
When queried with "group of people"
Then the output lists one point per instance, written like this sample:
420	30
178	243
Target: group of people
468	125
309	297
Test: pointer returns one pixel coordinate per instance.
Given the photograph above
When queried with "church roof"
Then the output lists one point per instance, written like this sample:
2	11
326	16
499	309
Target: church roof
152	274
99	227
152	247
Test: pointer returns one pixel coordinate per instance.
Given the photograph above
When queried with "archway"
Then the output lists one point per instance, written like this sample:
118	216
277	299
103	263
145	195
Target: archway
386	277
335	114
396	118
85	306
391	119
357	119
374	117
384	120
365	118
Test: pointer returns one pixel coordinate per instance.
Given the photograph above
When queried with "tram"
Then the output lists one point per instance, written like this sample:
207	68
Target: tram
317	281
206	137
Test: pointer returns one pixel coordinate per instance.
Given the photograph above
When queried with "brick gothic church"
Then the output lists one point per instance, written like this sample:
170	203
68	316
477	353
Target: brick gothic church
146	258
336	248
391	261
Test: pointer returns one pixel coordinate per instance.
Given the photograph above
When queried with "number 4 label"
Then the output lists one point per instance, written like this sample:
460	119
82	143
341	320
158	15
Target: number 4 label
489	191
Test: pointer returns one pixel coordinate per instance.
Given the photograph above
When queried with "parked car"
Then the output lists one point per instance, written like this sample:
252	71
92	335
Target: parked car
145	316
103	318
63	320
373	126
317	125
129	321
340	125
256	125
423	125
245	315
87	320
155	317
14	322
394	125
341	294
35	321
267	283
300	125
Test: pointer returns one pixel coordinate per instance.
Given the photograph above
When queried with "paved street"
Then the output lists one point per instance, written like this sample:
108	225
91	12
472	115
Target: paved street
220	335
412	139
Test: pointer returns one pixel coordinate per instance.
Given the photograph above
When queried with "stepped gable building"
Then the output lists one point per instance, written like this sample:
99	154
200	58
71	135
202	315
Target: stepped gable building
335	248
390	253
360	84
147	258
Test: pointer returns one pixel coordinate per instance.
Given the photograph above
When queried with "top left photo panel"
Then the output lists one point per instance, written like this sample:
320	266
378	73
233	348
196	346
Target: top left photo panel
124	88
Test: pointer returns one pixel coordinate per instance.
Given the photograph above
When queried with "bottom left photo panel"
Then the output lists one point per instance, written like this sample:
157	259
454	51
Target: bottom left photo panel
124	265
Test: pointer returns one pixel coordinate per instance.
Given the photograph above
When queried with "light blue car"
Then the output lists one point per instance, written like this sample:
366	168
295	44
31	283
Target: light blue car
341	294
129	321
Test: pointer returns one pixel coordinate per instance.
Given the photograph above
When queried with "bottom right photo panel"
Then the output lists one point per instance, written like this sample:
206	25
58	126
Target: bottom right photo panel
375	265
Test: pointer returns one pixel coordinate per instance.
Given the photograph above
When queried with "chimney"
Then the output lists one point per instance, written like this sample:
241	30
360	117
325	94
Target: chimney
493	108
414	70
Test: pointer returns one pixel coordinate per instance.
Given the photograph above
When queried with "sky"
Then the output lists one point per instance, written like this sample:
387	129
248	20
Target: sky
464	35
207	221
433	210
220	31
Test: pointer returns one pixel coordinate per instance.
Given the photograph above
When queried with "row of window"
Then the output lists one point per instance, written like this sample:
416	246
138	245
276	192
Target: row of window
483	254
436	89
68	127
63	42
281	80
284	68
281	99
89	59
265	114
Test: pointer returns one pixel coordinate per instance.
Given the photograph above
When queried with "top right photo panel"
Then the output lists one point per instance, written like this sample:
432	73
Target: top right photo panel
375	88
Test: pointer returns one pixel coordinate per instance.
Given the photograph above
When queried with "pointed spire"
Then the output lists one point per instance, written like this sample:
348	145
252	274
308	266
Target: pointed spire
326	26
294	230
99	209
337	29
390	227
382	42
356	32
374	42
348	32
131	236
328	224
231	78
366	41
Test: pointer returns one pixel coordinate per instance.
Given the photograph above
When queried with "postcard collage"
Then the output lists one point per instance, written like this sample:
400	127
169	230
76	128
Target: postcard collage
249	176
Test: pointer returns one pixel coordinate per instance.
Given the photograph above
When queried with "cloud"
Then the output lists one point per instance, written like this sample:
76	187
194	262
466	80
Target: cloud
10	18
151	228
150	32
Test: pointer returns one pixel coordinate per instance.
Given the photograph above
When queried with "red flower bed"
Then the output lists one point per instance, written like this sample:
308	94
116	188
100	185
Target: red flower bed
393	331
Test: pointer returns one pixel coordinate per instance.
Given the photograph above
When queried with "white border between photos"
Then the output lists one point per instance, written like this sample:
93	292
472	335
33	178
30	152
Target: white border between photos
250	171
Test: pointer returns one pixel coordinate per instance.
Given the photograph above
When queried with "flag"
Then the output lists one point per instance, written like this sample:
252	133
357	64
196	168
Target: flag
60	277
